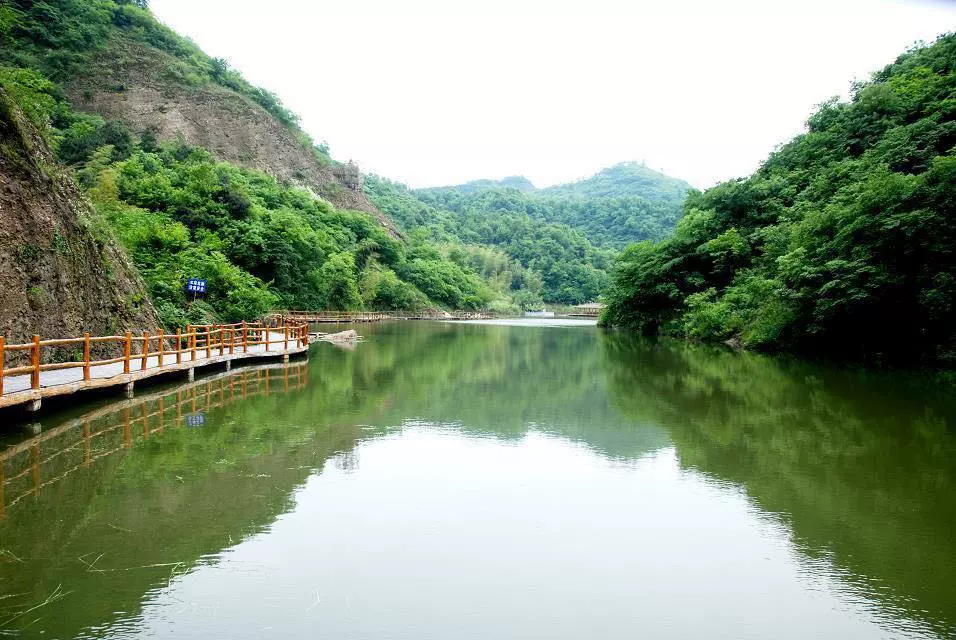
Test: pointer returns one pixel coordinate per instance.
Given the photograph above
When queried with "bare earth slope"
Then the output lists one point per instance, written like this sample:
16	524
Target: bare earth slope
147	89
61	272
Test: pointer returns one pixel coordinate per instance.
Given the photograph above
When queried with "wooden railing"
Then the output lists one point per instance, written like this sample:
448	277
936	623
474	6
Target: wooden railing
27	468
167	348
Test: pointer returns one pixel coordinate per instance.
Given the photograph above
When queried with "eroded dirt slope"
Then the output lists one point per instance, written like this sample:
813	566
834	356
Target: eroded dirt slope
144	88
61	271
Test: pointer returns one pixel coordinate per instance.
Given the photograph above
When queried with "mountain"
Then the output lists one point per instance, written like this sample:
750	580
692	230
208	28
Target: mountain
61	272
536	262
564	235
842	243
518	183
624	179
619	205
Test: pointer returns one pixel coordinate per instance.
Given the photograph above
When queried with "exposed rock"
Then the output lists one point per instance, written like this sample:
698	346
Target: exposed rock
734	343
61	271
342	336
137	85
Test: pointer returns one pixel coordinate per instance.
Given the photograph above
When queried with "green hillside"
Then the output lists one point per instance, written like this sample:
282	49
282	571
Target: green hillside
619	205
841	243
519	183
535	260
625	179
565	235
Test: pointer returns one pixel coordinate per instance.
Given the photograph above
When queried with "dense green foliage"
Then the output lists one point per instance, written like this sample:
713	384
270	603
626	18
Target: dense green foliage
625	179
569	268
564	235
843	241
260	245
519	183
619	205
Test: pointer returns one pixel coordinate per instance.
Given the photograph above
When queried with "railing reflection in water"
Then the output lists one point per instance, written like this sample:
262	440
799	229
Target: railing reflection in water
31	466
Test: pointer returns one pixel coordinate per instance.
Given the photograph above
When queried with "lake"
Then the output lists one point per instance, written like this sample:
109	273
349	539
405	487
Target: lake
527	479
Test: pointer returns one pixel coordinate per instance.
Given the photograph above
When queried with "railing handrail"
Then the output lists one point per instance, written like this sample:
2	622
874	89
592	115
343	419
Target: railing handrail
208	338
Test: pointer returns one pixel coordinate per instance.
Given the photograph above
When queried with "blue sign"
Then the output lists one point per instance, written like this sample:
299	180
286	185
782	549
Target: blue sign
195	420
195	285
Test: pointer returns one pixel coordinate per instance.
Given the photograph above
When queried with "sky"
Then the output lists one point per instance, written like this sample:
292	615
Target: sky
435	92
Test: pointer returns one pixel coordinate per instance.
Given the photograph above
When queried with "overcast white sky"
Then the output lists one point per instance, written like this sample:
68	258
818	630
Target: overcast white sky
433	92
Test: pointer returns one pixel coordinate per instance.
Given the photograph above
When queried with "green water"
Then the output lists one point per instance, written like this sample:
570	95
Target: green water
481	481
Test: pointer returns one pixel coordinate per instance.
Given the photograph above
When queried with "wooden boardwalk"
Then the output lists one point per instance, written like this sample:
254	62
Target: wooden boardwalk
28	468
143	357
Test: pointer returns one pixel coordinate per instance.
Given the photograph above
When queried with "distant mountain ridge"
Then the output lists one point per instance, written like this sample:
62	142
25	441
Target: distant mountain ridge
624	179
519	183
624	203
620	180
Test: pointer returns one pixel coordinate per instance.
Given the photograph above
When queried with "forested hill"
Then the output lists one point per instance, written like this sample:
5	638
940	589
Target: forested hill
842	243
621	204
564	236
539	262
519	183
625	179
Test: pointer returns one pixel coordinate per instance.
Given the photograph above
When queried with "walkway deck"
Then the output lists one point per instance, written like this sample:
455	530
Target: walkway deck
221	346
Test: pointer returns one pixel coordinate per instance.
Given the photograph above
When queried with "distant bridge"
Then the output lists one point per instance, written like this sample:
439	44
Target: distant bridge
47	368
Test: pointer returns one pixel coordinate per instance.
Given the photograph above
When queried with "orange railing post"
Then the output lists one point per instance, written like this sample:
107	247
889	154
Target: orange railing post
286	331
162	347
232	341
192	342
35	357
145	350
86	357
245	338
3	353
209	341
179	346
127	351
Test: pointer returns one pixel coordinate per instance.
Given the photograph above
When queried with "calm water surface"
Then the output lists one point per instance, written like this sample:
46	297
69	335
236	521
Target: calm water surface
484	481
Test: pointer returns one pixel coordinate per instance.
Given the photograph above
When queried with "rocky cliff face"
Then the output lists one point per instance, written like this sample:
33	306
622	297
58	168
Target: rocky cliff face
141	87
61	272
